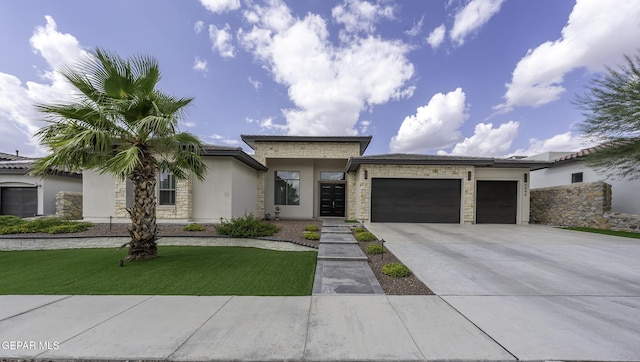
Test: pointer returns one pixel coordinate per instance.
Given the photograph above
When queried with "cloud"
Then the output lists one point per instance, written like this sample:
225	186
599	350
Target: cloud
359	16
200	65
561	142
268	125
220	6
188	124
18	118
217	139
436	37
364	126
597	33
328	85
416	28
221	40
434	125
198	27
472	17
255	83
487	141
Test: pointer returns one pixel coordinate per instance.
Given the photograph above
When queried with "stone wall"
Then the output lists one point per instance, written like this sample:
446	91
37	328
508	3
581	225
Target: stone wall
579	205
69	205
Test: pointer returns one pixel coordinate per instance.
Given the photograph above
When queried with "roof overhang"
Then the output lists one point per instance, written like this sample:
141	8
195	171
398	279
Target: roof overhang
236	153
355	162
364	141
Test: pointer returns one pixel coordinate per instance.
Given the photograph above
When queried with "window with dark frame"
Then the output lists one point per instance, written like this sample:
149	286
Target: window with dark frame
287	188
576	177
167	189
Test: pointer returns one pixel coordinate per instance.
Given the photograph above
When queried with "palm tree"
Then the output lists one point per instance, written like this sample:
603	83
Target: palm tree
121	125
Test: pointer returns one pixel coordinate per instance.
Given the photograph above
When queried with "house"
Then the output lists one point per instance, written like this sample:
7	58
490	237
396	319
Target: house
570	167
24	195
310	177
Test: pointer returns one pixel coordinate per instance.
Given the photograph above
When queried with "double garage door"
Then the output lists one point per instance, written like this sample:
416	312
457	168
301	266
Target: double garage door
439	201
19	201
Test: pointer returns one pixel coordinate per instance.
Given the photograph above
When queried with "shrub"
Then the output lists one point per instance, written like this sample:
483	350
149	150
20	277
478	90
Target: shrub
375	249
10	220
365	236
396	270
247	226
69	227
351	221
311	227
359	229
311	235
193	227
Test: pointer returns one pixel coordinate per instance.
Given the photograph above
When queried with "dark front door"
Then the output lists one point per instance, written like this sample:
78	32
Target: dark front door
332	198
19	201
497	202
415	200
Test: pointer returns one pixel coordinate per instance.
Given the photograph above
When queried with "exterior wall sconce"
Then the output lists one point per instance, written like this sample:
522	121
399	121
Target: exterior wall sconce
526	177
468	175
366	174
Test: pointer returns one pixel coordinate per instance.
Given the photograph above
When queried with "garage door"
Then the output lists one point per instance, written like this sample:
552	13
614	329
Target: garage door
415	200
19	201
497	202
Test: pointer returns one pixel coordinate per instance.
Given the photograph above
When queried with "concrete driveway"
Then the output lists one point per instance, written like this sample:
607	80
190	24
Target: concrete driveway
538	291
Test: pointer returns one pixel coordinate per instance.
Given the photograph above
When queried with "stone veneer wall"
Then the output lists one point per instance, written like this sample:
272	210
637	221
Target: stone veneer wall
69	205
579	205
415	171
305	150
183	209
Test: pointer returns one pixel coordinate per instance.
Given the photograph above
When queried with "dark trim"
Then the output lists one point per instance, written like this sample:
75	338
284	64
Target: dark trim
354	162
236	153
251	140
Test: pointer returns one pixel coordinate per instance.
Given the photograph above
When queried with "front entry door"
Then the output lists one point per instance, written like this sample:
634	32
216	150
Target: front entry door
332	198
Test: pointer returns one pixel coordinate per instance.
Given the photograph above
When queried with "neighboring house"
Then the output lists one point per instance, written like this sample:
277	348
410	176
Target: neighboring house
310	177
570	167
24	195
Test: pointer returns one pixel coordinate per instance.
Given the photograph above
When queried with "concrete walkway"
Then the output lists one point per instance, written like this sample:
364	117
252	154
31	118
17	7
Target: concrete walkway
225	328
342	266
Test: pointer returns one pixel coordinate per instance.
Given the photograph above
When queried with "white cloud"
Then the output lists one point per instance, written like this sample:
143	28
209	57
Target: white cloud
364	126
200	65
360	16
487	141
561	142
255	83
267	124
436	37
416	28
328	85
220	6
198	27
18	118
597	33
217	139
221	40
434	125
472	17
188	124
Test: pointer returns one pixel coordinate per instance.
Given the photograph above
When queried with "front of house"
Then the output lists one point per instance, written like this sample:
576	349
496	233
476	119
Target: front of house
310	177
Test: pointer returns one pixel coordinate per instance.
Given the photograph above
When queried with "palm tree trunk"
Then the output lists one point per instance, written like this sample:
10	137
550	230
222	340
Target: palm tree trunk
143	229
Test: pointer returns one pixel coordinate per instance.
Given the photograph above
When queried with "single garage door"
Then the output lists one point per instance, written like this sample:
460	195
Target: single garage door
415	200
19	201
496	202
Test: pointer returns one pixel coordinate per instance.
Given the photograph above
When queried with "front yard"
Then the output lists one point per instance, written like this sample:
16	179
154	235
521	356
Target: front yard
178	270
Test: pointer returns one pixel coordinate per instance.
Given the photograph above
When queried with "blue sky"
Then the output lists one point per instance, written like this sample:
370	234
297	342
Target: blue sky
468	77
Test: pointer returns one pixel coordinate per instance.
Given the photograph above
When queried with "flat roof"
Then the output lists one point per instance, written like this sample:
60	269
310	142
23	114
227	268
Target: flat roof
414	159
235	152
252	139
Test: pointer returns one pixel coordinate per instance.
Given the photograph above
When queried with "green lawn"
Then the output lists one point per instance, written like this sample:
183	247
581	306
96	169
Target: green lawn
625	234
178	270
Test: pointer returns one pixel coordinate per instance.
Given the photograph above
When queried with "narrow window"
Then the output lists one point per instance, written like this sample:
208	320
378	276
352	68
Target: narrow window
167	188
287	188
576	177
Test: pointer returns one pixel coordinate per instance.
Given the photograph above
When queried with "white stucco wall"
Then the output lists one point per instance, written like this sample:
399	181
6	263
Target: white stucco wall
51	185
244	194
510	174
98	197
306	208
212	197
625	193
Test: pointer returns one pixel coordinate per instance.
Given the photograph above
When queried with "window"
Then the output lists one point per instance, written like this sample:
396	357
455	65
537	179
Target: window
167	188
331	176
576	177
287	188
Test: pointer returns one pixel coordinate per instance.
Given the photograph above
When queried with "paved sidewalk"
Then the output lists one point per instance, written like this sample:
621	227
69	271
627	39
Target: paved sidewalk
223	328
342	266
